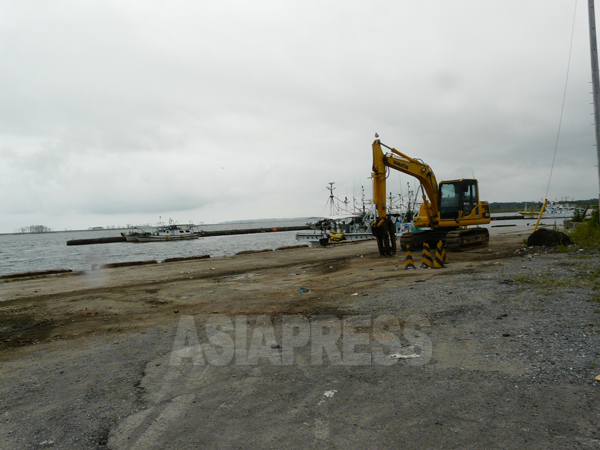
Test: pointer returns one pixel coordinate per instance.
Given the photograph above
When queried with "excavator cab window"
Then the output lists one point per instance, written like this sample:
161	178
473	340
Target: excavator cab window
470	199
457	196
449	201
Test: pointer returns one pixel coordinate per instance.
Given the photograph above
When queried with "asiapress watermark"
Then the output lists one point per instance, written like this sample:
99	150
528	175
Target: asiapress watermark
355	340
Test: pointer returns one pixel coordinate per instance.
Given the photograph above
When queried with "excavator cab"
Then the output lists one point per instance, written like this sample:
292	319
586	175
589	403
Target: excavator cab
458	198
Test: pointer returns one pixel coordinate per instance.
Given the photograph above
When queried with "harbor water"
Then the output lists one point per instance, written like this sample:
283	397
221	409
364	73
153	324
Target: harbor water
49	251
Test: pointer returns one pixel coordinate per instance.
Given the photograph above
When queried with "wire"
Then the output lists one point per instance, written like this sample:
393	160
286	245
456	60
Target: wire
563	102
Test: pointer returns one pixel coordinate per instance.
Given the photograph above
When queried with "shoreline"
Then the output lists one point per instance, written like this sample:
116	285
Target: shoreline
83	260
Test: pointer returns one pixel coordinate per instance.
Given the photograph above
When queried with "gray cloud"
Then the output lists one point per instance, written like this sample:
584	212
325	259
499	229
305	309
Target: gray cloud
119	113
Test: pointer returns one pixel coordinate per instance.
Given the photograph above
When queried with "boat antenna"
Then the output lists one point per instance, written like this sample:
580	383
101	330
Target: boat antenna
353	198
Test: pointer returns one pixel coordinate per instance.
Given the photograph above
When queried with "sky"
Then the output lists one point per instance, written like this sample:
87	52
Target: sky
131	112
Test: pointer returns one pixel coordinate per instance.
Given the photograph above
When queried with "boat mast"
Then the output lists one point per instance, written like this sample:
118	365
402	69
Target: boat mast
595	82
332	208
364	208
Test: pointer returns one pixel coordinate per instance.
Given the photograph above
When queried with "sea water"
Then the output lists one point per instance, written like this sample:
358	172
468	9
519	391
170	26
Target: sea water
48	251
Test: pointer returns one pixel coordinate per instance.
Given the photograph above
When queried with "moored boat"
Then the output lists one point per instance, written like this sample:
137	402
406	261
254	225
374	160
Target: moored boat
350	228
171	232
552	211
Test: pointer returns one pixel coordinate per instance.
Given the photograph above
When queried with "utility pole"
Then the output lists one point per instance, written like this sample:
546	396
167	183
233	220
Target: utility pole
595	82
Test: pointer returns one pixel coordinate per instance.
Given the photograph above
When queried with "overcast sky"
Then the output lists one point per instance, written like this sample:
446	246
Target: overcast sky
117	112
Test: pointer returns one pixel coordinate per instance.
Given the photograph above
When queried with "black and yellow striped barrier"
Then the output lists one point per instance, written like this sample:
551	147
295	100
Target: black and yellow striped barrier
427	258
409	264
438	261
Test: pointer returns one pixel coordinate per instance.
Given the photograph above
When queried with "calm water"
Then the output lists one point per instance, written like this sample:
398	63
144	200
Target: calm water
47	251
30	252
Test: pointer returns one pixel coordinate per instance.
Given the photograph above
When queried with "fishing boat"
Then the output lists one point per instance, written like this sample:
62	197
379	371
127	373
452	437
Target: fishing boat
552	211
340	228
356	226
171	232
349	228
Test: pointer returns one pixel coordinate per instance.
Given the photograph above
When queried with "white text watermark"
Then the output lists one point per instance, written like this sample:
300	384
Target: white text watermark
356	340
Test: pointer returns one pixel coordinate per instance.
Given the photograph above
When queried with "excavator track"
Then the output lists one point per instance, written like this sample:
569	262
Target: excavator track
455	240
413	238
460	240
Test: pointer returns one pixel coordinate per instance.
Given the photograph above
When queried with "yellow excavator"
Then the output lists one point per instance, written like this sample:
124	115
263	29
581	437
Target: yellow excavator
447	209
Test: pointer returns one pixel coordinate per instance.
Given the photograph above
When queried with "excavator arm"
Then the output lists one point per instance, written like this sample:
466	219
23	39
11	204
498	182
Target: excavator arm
411	166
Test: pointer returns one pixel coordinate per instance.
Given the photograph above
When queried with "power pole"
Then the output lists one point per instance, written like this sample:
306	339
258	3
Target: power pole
595	82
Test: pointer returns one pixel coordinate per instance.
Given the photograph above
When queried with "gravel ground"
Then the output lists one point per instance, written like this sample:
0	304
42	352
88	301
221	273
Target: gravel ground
515	349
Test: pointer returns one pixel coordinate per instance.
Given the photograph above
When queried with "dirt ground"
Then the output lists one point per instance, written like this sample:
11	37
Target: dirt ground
71	306
509	352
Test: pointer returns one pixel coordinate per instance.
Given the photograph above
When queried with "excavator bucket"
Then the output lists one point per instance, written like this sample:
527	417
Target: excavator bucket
385	233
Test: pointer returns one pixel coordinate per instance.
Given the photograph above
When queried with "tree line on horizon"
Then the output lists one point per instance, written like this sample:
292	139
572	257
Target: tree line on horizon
536	206
35	229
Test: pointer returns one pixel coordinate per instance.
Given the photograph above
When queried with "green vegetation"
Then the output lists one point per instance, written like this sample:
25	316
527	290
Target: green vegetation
587	235
503	207
578	215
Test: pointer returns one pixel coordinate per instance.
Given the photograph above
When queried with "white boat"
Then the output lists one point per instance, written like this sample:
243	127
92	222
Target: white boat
350	228
169	232
552	211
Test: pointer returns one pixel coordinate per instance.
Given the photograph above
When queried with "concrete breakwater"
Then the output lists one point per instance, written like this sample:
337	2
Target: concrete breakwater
102	240
111	239
253	231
